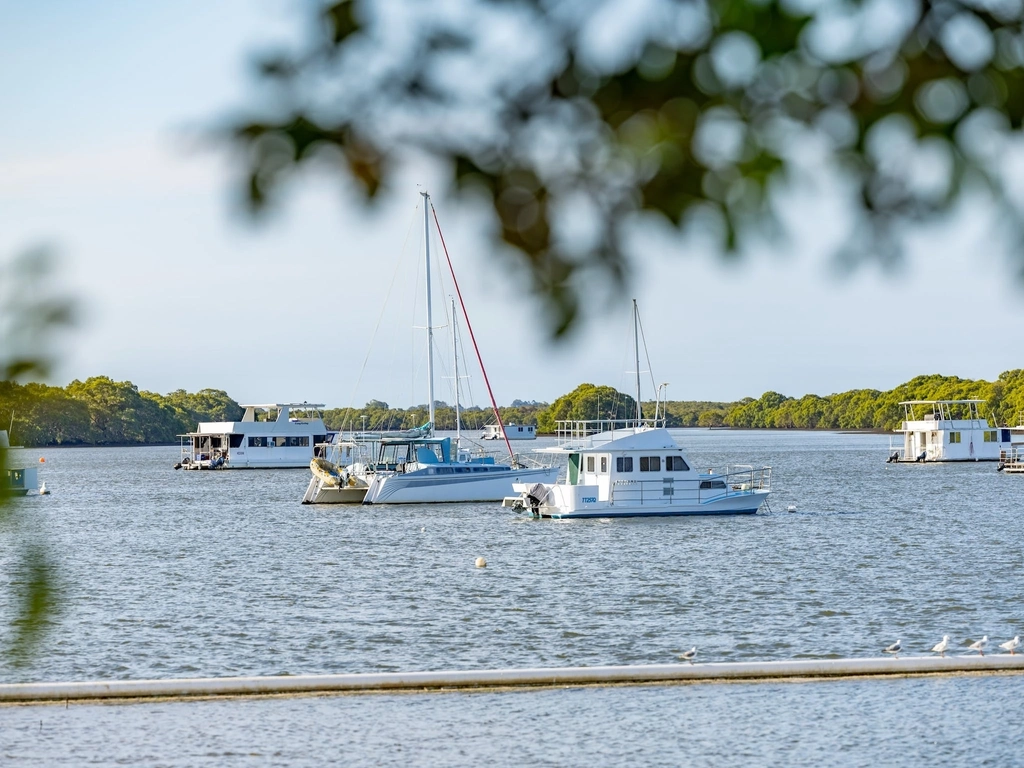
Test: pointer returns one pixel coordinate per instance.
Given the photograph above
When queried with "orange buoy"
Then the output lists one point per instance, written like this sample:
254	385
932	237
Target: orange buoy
42	460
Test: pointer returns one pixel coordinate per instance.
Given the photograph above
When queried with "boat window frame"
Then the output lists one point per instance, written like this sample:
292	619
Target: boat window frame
954	438
624	464
653	463
673	462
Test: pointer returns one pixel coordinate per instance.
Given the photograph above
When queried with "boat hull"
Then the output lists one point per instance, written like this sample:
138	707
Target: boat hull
488	485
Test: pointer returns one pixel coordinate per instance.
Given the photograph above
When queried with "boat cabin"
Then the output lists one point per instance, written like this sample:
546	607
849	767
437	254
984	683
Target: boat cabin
512	432
268	436
410	455
947	430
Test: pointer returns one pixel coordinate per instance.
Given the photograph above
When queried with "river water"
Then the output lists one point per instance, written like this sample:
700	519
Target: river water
178	574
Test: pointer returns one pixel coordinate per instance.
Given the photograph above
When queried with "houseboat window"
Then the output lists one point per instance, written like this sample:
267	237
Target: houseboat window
235	441
650	463
624	463
954	437
259	442
990	437
604	463
590	463
675	464
1006	435
292	441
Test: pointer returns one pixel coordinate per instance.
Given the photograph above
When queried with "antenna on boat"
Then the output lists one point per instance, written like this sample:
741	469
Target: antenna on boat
636	352
430	324
455	354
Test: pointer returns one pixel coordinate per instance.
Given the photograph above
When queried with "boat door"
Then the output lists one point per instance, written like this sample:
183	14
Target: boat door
574	468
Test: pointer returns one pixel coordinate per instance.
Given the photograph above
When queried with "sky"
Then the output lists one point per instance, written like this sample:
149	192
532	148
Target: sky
101	104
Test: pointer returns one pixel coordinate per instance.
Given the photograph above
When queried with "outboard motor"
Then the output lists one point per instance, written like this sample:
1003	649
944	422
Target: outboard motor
536	496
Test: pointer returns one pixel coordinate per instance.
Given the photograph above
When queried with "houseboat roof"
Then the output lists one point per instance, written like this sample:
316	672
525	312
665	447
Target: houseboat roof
941	402
281	405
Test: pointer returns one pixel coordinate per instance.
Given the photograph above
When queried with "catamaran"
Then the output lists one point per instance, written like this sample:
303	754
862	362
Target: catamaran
424	468
635	468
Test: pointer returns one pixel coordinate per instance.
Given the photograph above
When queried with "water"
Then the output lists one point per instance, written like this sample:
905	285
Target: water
172	574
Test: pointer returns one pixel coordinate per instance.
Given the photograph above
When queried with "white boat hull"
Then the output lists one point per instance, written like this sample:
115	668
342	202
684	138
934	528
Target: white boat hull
422	487
320	493
566	502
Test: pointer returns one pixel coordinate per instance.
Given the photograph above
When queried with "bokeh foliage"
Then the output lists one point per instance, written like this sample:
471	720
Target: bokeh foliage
32	313
575	119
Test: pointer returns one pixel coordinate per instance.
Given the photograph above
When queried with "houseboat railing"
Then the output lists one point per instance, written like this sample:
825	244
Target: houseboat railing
578	435
733	480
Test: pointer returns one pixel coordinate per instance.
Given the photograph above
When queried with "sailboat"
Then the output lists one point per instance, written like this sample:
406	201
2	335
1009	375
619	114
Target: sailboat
635	468
423	468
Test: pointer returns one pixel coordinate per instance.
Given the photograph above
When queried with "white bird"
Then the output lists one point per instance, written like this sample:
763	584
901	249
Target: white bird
688	655
942	646
894	649
979	645
1011	645
43	491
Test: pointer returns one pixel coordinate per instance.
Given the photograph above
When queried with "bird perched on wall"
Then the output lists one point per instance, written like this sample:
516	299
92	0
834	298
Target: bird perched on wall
940	648
1011	645
979	645
894	649
688	655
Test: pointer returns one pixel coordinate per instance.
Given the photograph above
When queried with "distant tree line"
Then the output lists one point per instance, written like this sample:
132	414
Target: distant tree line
100	411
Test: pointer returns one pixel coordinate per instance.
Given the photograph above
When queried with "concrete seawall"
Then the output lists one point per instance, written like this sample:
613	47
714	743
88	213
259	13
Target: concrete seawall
384	682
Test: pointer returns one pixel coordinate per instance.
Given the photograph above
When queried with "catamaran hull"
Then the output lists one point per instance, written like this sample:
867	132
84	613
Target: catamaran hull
412	488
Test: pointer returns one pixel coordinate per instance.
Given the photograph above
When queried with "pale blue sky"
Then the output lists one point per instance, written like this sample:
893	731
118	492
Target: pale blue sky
181	292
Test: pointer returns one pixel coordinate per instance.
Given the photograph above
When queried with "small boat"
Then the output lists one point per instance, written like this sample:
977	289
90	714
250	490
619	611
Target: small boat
17	481
947	430
512	431
334	483
634	468
270	436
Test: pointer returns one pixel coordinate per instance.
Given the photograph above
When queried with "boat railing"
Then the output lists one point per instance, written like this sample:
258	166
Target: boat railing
733	480
579	435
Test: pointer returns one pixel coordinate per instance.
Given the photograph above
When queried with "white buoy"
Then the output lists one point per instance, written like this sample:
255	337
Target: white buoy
481	563
791	508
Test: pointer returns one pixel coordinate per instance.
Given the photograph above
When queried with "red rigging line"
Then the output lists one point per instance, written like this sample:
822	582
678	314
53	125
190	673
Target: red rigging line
472	336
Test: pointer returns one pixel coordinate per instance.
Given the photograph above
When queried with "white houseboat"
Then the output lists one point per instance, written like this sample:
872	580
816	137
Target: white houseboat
636	469
512	432
947	430
269	436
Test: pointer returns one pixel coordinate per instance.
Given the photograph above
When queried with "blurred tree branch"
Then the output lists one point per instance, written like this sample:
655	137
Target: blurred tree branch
31	314
701	112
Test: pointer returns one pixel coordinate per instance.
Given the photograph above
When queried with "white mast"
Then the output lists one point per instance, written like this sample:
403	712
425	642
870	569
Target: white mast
430	324
455	353
636	351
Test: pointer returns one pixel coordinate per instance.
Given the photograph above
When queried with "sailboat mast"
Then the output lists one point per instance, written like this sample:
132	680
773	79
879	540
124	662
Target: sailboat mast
430	323
455	354
636	352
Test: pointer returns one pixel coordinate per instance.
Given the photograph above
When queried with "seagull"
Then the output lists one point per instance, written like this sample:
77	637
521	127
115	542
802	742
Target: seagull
688	655
979	645
941	647
894	649
1011	645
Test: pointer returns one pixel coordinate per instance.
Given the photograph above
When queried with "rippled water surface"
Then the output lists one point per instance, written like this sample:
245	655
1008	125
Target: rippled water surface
172	574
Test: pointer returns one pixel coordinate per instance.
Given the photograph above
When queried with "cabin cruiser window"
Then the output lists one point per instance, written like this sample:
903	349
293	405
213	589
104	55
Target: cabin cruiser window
394	453
675	464
954	437
259	442
604	463
623	463
650	463
590	463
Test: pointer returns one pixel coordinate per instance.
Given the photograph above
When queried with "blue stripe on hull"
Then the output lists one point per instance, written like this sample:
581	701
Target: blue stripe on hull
573	515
